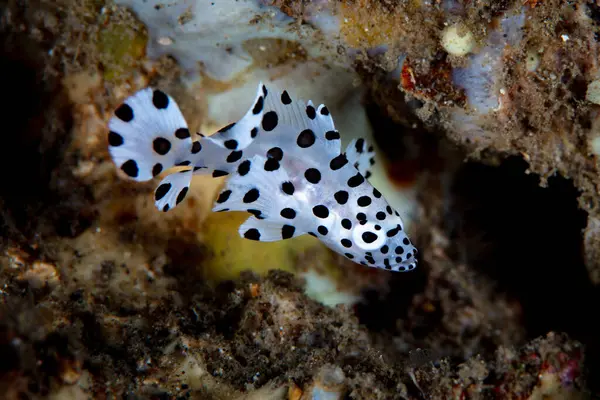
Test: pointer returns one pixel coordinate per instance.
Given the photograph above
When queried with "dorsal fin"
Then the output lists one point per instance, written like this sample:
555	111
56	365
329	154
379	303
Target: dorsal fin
224	150
283	112
361	156
239	135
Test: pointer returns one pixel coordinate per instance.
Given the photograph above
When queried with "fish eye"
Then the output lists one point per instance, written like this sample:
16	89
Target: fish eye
367	237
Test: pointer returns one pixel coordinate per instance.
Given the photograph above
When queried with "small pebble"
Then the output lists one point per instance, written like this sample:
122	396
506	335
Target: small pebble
593	92
457	40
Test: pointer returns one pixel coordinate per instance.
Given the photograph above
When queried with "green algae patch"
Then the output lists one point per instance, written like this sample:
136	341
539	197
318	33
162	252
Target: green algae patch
229	254
122	47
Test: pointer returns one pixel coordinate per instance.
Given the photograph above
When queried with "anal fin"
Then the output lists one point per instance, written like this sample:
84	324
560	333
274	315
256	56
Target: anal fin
268	231
172	190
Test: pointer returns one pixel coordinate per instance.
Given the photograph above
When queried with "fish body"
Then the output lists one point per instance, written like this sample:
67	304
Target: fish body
286	168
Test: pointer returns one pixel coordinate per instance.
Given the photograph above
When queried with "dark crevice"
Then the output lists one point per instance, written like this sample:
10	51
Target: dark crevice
593	10
532	240
39	195
375	311
528	239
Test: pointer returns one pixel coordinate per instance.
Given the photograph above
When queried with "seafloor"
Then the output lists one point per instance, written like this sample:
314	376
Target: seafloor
102	296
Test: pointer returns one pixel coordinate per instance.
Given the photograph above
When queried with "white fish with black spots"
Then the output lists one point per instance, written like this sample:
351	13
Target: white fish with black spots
286	166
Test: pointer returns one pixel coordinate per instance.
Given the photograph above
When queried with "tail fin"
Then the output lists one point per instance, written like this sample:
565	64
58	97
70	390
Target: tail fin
148	135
